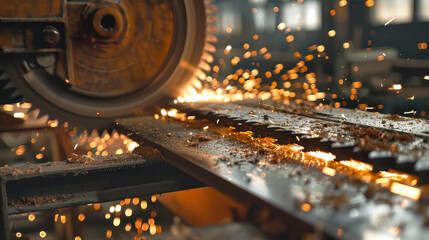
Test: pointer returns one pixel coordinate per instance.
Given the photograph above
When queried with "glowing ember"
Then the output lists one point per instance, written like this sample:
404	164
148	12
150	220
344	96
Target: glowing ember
393	176
329	171
132	145
404	190
18	115
359	166
305	207
323	155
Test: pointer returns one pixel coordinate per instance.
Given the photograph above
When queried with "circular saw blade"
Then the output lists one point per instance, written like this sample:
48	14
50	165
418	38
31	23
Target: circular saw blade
144	66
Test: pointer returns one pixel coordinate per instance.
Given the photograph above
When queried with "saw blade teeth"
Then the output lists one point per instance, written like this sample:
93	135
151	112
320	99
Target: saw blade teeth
104	133
16	94
43	117
208	57
34	111
210	8
211	18
211	38
200	74
211	28
48	113
204	66
9	85
94	133
209	47
196	82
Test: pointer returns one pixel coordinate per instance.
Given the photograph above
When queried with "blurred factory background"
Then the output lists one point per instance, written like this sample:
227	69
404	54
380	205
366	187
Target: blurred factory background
367	54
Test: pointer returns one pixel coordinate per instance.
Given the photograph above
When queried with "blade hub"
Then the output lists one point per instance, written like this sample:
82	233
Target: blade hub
108	23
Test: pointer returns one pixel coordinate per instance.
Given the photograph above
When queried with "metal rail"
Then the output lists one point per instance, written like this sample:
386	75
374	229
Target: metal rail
56	185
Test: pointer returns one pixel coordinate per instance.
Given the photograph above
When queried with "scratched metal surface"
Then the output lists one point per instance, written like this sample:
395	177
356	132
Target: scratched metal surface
53	185
232	167
389	122
342	138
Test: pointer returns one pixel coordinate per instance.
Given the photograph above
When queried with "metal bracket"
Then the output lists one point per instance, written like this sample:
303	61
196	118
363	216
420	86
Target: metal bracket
48	186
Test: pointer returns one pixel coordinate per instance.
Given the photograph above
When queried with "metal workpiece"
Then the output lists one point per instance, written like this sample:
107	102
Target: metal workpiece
388	122
307	198
384	141
84	180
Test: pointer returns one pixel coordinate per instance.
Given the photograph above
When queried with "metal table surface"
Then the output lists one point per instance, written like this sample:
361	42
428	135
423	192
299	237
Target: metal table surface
305	197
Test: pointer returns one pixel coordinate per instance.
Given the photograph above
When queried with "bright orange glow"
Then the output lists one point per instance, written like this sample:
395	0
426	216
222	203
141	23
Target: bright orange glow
329	171
145	227
128	227
151	221
143	205
138	223
360	166
346	45
128	212
290	38
404	190
109	233
81	217
152	230
97	207
305	207
63	219
116	221
369	3
31	217
393	175
323	155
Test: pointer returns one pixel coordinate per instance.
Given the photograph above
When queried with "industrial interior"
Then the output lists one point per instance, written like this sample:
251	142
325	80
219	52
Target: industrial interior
214	119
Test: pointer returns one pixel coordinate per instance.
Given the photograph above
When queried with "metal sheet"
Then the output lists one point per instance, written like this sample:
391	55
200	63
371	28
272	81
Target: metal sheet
384	141
346	210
